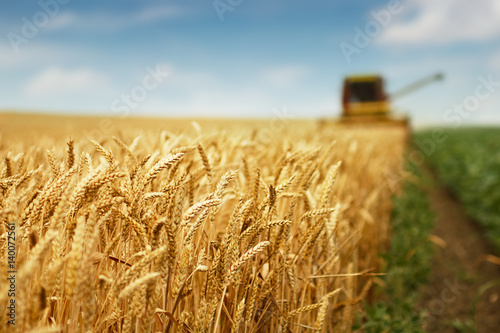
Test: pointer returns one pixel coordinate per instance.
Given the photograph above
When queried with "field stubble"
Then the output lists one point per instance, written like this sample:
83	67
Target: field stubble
204	229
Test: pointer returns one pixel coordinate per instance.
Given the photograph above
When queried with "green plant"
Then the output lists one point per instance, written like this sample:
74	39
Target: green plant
467	160
407	262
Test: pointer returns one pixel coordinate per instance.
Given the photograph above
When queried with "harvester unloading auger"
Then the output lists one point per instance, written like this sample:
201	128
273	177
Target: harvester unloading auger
364	99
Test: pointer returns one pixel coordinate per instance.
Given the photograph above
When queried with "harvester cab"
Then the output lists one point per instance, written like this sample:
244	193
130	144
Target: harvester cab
364	97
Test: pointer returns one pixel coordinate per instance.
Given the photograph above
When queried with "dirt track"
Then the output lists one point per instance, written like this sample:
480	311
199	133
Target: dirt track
459	272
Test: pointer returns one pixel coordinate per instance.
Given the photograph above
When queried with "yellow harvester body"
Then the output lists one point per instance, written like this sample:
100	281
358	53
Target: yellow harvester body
364	98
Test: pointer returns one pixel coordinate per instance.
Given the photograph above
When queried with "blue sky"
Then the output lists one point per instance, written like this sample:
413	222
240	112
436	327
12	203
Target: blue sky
242	58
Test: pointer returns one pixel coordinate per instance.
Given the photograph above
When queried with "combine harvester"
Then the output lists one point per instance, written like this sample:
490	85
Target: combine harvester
365	101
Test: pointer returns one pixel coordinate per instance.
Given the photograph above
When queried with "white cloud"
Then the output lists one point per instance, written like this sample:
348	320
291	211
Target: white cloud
157	13
285	76
57	81
202	93
62	20
105	21
444	21
32	54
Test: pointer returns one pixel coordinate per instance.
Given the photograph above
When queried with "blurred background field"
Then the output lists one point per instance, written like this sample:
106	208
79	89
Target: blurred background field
244	59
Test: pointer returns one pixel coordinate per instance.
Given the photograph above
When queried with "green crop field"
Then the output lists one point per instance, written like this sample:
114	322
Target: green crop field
468	162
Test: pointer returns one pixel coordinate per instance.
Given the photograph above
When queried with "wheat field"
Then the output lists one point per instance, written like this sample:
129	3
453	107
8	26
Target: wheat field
182	226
